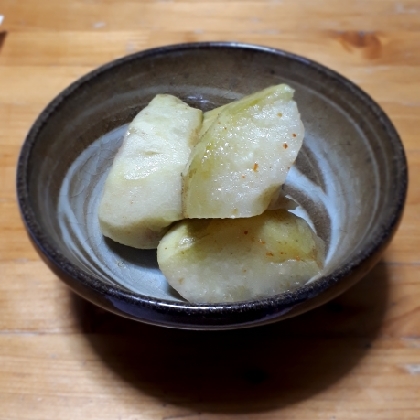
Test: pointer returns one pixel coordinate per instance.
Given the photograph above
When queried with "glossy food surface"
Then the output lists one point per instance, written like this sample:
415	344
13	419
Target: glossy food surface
142	192
241	259
243	156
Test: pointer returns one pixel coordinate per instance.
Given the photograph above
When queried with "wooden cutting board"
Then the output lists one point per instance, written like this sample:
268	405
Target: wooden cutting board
357	357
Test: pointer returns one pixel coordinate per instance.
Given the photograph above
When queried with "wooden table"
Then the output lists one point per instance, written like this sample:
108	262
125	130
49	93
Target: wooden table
62	358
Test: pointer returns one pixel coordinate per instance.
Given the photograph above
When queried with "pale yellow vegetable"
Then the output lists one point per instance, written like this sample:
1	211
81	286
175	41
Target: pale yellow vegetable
243	156
215	260
142	194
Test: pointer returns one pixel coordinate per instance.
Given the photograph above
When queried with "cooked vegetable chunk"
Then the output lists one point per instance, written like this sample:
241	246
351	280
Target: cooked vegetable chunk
142	194
214	260
243	156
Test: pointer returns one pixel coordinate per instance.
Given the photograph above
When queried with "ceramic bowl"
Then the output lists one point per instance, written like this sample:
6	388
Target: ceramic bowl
350	177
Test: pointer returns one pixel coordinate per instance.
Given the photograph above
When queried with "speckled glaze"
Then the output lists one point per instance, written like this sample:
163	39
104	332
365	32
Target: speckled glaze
350	177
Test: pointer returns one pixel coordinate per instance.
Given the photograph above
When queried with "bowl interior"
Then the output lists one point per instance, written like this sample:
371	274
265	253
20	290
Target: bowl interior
344	180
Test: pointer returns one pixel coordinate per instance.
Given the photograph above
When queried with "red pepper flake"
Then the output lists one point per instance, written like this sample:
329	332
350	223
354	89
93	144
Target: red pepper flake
285	145
294	135
255	168
245	232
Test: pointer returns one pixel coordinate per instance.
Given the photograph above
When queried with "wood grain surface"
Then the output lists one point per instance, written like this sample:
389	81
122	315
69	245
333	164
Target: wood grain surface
357	357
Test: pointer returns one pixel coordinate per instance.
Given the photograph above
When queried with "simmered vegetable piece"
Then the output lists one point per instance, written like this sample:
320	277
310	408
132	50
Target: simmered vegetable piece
142	194
238	259
243	156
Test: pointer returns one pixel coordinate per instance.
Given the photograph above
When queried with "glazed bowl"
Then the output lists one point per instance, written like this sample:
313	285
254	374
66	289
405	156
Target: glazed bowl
349	180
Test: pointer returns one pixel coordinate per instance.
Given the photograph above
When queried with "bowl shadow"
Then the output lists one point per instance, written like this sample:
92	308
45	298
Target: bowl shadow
247	370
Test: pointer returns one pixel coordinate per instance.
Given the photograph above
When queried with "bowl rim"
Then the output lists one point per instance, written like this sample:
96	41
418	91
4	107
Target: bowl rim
277	303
